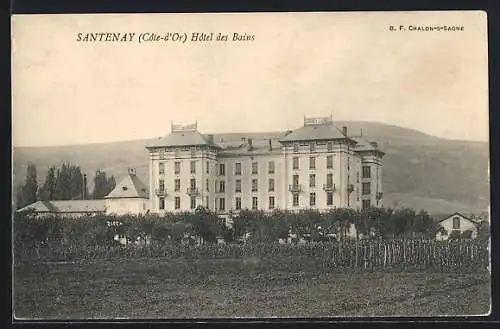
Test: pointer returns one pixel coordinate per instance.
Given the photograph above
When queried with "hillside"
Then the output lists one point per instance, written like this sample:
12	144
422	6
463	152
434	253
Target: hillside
420	171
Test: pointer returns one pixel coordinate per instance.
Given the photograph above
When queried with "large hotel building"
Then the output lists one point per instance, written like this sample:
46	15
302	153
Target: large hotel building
317	166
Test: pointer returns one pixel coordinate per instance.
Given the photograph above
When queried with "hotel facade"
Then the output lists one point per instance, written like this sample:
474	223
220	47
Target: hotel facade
317	166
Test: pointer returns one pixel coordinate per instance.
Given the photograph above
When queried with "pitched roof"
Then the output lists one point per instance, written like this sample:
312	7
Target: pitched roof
458	214
238	144
314	132
130	187
181	138
364	146
66	206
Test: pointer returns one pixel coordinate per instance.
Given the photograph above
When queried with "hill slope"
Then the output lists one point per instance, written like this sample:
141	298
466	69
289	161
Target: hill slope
420	171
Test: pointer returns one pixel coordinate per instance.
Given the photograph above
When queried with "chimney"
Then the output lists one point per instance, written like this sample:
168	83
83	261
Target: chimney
250	146
210	138
344	130
270	145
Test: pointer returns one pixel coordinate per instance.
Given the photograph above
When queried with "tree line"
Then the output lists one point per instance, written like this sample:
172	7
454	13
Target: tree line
204	226
66	182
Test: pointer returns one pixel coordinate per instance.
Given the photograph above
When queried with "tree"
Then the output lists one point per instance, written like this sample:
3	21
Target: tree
103	184
69	183
206	224
48	191
29	191
62	191
483	230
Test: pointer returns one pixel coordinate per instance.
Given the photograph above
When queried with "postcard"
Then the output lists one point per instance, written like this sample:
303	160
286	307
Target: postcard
250	165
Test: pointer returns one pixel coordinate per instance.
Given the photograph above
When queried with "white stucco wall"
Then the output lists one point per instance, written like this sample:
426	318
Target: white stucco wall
465	225
124	206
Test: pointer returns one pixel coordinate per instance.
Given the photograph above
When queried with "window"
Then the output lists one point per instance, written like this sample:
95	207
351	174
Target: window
238	203
177	185
254	203
193	152
295	147
255	168
366	188
271	184
161	184
208	167
366	172
207	201
366	204
312	180
329	198
177	202
456	223
177	167
295	199
329	180
207	183
222	169
357	176
192	183
295	180
271	167
237	186
271	202
162	203
295	163
162	154
255	186
312	199
237	168
193	202
329	162
312	163
222	204
222	186
193	167
312	147
161	168
329	147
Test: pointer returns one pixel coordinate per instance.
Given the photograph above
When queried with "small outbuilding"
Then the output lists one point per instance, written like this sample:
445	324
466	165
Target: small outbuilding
66	208
130	196
457	223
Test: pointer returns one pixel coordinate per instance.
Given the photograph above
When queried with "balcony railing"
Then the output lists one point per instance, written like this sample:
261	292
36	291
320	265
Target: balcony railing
294	188
160	192
192	191
329	187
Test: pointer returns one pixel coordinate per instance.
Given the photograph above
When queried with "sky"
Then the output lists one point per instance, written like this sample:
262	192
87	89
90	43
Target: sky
349	65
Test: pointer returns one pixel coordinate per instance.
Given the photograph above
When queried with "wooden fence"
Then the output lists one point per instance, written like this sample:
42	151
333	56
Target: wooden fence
362	255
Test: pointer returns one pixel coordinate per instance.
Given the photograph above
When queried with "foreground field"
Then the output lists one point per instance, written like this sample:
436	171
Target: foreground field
157	288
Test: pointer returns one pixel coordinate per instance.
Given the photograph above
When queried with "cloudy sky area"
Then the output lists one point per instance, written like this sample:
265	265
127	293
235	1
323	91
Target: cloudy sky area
348	64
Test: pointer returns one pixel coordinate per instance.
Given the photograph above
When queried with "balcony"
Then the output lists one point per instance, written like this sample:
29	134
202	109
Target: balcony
294	188
379	196
161	192
329	187
192	191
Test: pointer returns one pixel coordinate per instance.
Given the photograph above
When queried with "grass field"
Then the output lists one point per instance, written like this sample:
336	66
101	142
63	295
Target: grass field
164	288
